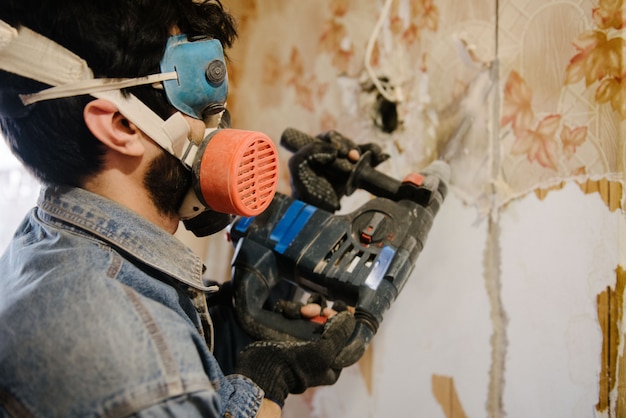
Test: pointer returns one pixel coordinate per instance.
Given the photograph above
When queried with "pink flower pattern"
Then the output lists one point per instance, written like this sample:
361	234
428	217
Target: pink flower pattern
517	107
600	56
572	138
538	144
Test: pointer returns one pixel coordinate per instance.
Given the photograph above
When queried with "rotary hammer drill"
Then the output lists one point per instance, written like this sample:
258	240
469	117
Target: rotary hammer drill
363	258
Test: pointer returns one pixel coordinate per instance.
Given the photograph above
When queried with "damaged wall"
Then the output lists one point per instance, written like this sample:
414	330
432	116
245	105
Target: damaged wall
515	307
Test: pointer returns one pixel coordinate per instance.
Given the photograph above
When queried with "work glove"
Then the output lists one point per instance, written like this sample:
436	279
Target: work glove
283	367
320	168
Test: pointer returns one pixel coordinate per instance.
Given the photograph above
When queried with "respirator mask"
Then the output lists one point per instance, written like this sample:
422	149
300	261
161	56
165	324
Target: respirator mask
234	172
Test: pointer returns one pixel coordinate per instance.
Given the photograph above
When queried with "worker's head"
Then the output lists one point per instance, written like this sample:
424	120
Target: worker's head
117	39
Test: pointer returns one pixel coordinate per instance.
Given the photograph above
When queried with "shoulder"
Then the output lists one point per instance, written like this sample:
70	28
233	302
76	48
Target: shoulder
74	346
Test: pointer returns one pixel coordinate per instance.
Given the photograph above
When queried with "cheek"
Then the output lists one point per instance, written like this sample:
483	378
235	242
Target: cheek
153	149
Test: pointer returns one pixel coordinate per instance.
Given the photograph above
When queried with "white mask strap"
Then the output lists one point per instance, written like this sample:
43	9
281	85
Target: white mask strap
171	134
34	56
23	52
94	85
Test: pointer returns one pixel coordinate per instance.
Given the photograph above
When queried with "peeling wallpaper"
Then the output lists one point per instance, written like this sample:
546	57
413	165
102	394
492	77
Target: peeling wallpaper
563	107
556	111
526	101
610	314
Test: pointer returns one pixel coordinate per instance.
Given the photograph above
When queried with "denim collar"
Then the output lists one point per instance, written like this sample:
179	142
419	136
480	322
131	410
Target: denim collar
123	229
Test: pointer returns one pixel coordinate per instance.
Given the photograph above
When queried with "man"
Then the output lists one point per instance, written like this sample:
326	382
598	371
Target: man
102	310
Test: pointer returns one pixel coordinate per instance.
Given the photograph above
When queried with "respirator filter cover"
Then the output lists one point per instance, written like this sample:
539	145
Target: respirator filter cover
237	172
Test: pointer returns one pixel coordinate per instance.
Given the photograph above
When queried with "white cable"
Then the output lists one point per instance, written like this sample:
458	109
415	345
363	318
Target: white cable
384	14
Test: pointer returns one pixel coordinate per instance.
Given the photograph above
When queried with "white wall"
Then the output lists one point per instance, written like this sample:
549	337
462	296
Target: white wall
18	194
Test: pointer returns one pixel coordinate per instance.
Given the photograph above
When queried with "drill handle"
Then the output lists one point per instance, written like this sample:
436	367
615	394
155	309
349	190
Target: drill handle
365	176
362	176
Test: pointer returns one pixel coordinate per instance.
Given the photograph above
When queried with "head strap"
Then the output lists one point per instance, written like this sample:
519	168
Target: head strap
31	55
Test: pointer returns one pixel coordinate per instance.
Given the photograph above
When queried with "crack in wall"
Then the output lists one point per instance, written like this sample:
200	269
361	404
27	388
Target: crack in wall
499	320
492	256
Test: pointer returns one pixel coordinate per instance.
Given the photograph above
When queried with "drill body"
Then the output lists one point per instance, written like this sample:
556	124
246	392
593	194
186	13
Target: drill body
363	258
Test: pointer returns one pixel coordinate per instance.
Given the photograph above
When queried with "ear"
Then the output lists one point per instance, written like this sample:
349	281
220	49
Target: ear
112	129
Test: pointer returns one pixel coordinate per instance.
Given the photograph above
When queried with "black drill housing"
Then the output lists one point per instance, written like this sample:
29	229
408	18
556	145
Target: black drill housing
363	258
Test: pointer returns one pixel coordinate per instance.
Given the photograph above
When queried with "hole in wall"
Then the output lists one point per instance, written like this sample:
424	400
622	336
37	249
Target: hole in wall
386	115
384	112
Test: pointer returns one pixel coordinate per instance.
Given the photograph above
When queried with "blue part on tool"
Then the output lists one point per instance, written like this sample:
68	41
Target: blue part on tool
290	225
381	265
244	223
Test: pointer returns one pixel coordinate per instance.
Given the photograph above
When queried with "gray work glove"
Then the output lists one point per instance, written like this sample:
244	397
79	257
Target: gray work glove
320	168
283	367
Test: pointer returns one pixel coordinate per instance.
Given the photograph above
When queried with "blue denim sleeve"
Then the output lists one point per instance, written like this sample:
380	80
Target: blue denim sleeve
198	404
206	404
245	399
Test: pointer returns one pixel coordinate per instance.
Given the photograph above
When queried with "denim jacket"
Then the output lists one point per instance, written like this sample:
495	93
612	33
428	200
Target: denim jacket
97	319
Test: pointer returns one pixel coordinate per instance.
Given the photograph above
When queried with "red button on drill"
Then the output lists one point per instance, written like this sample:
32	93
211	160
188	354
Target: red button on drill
415	178
368	232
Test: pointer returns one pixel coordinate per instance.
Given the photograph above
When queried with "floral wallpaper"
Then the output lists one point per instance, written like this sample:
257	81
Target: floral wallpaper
563	104
556	112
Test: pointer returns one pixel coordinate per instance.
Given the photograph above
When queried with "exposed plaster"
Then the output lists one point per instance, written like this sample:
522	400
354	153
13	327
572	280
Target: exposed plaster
446	395
366	364
612	378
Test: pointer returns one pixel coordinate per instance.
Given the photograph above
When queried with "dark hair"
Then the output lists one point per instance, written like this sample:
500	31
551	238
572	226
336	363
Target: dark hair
117	38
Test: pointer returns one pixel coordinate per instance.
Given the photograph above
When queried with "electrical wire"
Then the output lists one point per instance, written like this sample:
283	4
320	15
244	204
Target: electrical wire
384	14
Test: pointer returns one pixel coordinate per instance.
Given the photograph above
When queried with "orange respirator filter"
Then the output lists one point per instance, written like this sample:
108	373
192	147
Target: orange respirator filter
237	172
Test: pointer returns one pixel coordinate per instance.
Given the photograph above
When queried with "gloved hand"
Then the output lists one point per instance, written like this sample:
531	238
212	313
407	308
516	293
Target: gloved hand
321	166
293	309
283	367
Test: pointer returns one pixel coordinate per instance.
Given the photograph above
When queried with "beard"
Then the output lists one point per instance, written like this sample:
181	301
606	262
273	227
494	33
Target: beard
167	182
